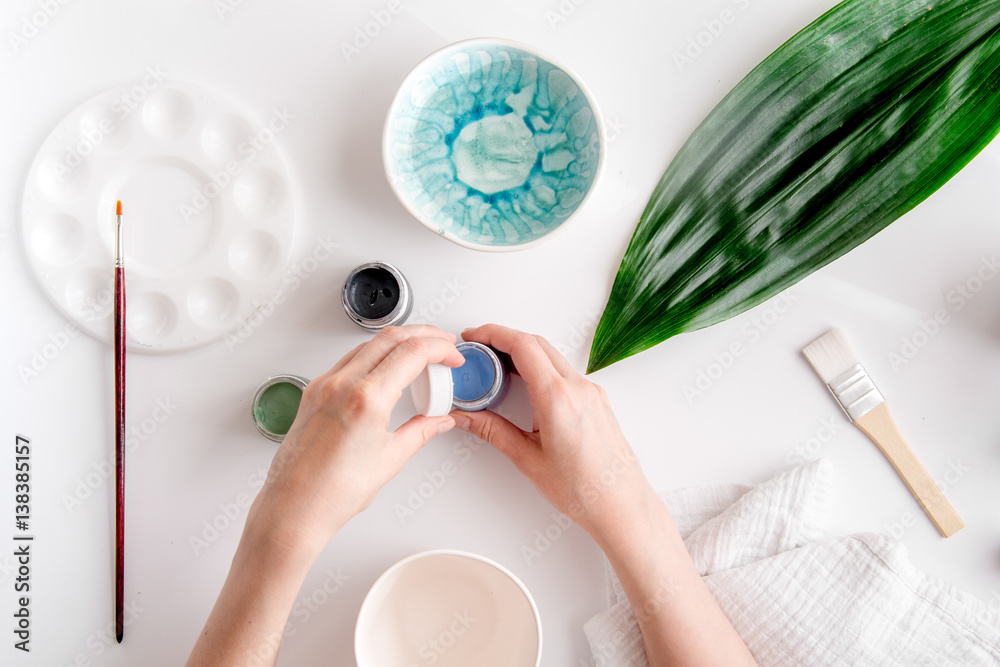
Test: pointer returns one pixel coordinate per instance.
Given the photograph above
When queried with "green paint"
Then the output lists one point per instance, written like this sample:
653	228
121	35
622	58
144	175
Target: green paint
277	407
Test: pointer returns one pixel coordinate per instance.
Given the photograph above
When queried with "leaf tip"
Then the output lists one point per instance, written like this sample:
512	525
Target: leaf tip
598	359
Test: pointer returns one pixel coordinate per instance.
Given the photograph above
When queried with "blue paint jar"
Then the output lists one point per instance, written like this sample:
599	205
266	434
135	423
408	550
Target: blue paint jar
480	383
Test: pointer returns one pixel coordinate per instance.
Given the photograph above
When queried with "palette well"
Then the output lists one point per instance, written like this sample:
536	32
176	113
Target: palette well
209	213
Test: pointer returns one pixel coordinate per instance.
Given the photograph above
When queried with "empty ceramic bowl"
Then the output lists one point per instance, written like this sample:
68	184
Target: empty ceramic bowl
449	609
492	145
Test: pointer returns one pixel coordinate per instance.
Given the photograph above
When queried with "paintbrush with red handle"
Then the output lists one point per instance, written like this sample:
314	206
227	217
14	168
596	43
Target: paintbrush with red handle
119	428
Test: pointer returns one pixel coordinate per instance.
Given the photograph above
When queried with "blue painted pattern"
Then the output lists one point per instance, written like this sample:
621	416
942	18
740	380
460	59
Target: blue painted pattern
492	145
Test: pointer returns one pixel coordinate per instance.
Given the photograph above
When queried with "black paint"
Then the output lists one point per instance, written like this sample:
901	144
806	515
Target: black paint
372	293
377	295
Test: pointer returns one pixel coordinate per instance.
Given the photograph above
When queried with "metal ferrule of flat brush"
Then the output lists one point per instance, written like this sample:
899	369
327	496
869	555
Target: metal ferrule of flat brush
856	392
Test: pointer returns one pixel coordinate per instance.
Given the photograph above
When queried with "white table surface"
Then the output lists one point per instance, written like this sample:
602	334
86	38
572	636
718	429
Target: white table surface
766	411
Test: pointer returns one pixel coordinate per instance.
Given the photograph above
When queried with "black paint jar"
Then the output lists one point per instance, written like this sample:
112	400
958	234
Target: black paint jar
376	295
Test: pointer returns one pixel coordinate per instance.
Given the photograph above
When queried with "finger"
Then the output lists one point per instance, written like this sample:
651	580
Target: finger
346	359
405	362
417	432
504	436
562	366
379	347
533	364
340	365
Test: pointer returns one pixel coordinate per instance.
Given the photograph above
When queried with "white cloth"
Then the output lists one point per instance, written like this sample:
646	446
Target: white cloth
796	599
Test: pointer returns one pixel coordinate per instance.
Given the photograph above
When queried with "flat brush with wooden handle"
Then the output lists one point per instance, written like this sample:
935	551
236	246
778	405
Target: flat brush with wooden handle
833	360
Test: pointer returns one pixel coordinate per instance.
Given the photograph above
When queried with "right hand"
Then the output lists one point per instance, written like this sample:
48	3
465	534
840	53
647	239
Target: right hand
576	454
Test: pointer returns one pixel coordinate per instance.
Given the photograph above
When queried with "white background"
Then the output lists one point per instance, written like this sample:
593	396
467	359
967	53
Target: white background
757	418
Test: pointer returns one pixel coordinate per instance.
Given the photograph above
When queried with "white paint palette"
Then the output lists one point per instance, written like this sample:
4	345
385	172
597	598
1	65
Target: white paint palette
207	204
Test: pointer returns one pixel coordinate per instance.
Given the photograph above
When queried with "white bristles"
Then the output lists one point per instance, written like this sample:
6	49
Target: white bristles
830	355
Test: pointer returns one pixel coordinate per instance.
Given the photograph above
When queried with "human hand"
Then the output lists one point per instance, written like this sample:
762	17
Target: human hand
576	454
339	452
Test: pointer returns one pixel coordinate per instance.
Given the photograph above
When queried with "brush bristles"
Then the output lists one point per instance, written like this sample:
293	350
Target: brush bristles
830	355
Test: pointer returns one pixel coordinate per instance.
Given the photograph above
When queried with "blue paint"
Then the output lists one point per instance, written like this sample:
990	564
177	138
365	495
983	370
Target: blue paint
473	379
507	197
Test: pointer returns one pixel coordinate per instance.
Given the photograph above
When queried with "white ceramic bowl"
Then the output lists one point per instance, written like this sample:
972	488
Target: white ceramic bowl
450	609
493	145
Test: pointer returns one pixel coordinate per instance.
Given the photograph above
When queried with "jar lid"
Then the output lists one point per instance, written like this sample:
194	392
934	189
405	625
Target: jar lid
432	391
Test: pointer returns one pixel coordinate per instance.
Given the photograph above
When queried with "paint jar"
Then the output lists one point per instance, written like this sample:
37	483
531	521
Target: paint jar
478	384
275	404
376	295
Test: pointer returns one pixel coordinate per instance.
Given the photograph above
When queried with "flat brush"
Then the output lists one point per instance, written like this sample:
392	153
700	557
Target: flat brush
833	360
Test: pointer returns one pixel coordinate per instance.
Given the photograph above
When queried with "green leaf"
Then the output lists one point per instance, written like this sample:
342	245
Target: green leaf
847	126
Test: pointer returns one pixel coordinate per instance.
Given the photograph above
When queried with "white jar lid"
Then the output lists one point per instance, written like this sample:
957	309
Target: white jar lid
432	391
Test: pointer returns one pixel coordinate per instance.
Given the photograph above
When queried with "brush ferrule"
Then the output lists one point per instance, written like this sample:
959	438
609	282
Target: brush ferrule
856	392
118	242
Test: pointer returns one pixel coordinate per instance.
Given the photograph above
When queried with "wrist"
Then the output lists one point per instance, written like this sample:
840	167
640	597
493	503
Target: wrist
281	535
267	548
630	518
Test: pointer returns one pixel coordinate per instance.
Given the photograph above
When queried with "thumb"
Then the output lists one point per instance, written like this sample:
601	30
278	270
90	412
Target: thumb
504	436
418	431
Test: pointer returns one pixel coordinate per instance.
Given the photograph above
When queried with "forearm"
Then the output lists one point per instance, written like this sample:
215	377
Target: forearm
331	464
680	621
248	620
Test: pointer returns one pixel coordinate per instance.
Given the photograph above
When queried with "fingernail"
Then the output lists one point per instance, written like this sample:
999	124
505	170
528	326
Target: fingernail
446	426
462	422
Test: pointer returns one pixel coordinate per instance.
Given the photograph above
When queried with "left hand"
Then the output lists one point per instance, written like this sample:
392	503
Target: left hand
339	452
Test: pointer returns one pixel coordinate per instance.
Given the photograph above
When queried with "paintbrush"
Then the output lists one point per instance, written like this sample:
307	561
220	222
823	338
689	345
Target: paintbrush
832	359
119	428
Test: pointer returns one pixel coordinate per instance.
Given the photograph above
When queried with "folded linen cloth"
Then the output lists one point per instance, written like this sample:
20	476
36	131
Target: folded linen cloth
796	599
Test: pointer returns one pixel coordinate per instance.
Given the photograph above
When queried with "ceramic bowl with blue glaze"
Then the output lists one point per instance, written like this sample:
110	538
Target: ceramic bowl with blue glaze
492	145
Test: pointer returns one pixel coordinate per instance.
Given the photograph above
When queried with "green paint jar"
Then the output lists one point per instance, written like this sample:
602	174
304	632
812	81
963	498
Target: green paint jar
275	404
